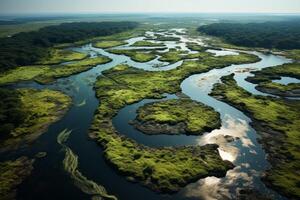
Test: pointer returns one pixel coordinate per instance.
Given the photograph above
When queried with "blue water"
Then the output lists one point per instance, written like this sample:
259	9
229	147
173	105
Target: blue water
286	80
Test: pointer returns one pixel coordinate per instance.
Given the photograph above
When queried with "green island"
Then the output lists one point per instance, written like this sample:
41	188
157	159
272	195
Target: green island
27	113
108	43
57	56
46	74
13	173
196	47
177	116
172	56
160	37
144	43
161	169
265	76
278	126
135	55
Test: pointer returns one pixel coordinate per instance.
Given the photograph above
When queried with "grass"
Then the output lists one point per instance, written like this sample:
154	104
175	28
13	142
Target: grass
13	173
70	164
196	47
196	117
40	108
57	56
278	122
265	76
47	74
144	43
164	169
293	54
135	55
172	56
108	44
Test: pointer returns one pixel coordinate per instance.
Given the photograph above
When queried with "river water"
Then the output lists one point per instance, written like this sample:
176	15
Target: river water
49	181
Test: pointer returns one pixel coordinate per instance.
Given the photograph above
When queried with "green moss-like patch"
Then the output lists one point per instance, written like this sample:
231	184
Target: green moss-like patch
278	122
13	173
144	43
26	113
57	56
135	55
177	116
47	74
264	79
108	44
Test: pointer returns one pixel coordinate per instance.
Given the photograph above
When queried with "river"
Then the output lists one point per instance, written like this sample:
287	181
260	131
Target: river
49	181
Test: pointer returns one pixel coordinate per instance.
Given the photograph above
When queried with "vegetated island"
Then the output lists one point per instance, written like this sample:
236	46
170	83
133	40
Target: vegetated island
27	113
177	116
144	43
277	121
45	74
161	169
109	43
264	78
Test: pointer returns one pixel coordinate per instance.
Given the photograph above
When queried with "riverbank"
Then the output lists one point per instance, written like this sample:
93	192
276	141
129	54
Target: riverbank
35	111
278	127
265	77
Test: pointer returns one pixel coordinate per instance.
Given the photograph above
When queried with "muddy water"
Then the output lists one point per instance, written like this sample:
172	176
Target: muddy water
49	181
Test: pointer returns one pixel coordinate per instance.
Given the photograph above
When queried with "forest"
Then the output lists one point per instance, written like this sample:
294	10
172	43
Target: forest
28	48
279	35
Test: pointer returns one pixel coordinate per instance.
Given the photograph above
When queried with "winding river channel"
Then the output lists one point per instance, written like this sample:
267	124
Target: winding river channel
49	181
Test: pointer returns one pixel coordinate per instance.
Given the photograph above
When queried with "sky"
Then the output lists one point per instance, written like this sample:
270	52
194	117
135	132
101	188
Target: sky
146	6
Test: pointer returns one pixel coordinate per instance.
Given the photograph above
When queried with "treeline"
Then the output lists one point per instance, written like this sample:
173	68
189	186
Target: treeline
27	48
280	35
11	113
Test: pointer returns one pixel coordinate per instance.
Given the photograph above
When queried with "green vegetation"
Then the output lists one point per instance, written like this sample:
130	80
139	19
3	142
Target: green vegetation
177	116
46	74
160	37
293	54
27	113
57	56
265	76
144	43
31	47
135	55
108	44
13	173
196	47
164	169
266	35
70	164
278	123
172	56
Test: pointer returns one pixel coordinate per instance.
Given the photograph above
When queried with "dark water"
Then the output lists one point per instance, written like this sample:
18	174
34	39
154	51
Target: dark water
49	181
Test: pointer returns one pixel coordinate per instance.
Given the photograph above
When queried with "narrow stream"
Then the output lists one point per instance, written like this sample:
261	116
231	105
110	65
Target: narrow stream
48	180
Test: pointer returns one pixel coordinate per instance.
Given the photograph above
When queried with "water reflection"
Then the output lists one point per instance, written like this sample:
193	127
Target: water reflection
212	188
231	130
